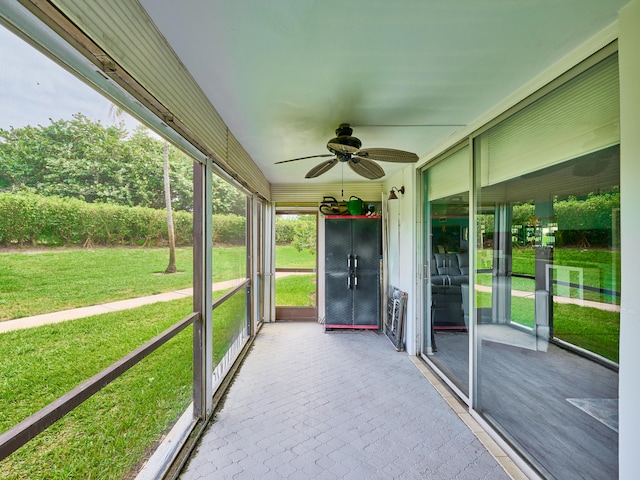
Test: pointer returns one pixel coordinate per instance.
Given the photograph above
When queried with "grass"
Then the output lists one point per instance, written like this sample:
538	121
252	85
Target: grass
229	263
595	330
107	435
228	320
110	433
34	283
296	290
61	279
288	257
600	269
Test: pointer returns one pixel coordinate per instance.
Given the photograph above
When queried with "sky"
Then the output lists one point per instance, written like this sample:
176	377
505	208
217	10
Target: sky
34	89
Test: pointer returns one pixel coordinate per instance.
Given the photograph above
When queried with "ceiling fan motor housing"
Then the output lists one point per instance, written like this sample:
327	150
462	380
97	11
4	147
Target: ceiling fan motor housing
344	137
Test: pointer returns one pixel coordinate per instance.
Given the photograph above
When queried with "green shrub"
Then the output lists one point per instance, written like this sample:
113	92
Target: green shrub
229	229
299	231
304	237
285	230
39	220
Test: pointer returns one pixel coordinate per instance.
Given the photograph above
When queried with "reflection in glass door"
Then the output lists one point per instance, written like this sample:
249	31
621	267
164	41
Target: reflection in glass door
446	328
548	277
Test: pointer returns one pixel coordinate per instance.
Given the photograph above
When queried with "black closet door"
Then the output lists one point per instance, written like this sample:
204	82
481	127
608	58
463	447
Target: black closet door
339	297
366	251
366	299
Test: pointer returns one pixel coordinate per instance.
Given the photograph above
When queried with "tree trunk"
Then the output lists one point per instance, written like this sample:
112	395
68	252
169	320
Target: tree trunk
167	199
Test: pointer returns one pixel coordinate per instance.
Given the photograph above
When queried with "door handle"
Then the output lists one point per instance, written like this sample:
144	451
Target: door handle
355	271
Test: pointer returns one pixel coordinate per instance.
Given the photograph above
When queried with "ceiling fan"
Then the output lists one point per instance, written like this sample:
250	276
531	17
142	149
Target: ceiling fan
345	148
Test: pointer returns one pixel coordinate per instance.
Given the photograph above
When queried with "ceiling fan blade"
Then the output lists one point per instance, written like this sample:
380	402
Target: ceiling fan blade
321	168
388	155
366	168
340	148
304	158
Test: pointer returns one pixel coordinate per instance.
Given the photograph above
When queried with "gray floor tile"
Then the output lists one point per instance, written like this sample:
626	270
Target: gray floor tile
339	405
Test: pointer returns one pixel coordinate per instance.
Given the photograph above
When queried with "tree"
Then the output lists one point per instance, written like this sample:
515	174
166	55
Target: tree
86	160
171	268
74	158
227	198
304	237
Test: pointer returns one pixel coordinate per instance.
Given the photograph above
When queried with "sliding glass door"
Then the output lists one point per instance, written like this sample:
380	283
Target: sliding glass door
446	319
548	277
522	285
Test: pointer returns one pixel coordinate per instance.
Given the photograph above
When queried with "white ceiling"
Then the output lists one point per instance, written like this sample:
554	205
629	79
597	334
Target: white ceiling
405	73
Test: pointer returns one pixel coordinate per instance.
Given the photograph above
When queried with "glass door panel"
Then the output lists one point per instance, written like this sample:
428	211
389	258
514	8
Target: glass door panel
446	339
548	275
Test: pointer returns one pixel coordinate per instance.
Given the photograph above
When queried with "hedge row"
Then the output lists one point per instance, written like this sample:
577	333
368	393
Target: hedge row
38	220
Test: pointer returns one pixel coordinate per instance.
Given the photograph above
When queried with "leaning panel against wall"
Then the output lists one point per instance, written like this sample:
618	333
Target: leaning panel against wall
548	276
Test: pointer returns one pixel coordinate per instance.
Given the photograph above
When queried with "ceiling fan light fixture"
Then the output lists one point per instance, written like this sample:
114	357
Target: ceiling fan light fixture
392	192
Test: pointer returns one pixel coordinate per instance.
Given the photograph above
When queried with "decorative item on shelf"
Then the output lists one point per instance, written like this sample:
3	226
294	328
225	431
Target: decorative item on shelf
371	210
392	193
330	206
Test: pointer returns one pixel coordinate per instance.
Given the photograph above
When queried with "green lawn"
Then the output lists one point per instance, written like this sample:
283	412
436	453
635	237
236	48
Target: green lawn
296	290
34	283
107	435
600	269
61	279
590	328
112	431
288	257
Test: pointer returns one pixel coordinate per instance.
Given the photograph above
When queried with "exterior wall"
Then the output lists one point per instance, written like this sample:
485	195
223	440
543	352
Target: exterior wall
629	413
402	248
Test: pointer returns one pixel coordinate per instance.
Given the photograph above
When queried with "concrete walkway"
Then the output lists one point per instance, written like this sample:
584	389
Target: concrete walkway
341	405
75	313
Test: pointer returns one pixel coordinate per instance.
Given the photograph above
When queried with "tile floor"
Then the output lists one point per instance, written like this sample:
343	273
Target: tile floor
338	405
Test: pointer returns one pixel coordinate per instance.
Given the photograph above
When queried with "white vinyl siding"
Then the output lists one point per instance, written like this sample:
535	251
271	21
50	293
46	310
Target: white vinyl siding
312	193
